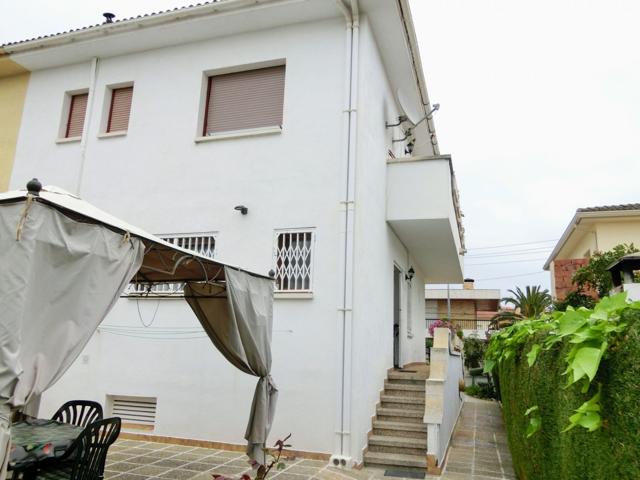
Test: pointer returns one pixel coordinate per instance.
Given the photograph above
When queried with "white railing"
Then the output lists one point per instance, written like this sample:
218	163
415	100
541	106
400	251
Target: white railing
443	400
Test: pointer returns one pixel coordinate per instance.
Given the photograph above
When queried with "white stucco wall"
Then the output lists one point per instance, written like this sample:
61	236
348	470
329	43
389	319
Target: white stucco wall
159	178
377	250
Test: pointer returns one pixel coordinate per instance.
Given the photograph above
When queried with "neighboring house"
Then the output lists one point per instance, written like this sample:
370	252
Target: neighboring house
254	132
591	229
470	309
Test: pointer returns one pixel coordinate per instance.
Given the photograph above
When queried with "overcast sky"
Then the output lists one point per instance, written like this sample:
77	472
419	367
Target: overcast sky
540	108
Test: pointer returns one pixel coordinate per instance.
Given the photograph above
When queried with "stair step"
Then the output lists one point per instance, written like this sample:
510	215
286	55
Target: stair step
403	442
417	377
394	459
385	397
412	427
400	412
405	415
404	389
400	429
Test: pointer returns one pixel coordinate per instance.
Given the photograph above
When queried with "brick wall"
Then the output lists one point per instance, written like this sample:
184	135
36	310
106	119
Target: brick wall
563	272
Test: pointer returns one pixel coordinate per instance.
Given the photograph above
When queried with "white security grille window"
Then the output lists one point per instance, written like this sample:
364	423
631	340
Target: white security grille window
201	243
294	261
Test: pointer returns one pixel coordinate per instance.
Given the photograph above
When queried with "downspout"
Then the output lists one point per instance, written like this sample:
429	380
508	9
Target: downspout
345	327
87	122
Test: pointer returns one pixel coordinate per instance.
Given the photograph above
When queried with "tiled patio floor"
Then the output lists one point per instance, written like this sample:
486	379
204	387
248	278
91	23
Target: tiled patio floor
478	452
134	460
479	449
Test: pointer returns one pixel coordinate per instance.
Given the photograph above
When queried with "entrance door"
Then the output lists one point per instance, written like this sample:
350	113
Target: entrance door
396	317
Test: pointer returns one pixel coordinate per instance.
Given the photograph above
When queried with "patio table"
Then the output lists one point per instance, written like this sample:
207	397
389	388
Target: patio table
34	440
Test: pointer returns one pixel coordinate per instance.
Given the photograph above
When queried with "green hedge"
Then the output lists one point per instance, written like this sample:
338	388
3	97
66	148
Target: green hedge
612	452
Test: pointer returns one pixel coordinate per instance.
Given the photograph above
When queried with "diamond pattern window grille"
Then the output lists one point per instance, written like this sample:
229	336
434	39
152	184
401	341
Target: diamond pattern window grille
294	261
203	244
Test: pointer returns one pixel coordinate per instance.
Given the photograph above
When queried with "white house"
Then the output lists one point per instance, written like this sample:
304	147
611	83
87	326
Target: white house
256	132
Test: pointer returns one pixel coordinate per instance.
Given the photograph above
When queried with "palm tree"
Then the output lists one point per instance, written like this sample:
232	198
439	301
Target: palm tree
531	303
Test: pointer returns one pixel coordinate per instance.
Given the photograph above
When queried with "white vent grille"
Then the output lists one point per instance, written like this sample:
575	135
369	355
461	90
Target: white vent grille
294	253
201	243
138	410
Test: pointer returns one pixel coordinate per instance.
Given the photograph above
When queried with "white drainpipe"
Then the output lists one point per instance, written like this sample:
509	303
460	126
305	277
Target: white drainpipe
343	439
87	122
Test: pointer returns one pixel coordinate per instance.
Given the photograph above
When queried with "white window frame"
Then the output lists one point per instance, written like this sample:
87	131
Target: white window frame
170	289
299	292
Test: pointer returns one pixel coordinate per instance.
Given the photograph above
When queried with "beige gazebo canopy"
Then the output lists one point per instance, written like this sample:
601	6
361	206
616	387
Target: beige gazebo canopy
64	265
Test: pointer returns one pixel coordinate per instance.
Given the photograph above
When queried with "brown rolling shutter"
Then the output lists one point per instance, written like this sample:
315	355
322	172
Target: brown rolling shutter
120	109
77	111
251	99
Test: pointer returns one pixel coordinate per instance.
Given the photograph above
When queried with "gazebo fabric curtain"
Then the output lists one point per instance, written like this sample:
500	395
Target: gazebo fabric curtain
239	324
59	280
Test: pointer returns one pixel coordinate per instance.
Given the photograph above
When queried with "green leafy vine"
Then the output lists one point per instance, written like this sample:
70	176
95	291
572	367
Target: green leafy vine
588	331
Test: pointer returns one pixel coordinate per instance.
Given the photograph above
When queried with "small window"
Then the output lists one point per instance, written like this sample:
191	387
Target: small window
120	109
244	100
77	111
201	243
294	261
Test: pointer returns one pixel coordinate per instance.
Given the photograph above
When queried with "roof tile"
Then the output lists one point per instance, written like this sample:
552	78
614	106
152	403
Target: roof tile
611	208
152	14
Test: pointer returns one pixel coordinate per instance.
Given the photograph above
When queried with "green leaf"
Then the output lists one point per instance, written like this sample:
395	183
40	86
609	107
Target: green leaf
280	466
587	415
533	354
586	362
612	303
534	425
488	365
570	322
530	409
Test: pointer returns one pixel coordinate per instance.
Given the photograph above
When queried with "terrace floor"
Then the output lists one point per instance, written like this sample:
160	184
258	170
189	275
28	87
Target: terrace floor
136	460
478	451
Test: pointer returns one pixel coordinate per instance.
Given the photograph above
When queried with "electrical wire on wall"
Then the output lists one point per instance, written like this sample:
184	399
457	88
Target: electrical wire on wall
153	318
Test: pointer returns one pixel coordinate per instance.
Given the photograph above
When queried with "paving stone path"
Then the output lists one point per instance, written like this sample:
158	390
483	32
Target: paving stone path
479	451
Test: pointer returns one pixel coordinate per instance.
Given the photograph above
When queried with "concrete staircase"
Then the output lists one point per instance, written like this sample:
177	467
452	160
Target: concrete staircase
399	438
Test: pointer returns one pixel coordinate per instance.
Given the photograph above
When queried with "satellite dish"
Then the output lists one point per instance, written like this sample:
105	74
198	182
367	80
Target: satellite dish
405	105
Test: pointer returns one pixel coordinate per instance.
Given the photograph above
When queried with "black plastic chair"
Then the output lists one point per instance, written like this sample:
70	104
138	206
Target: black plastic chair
89	453
79	412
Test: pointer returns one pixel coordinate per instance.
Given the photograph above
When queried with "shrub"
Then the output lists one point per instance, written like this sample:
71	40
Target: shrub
539	405
595	275
474	349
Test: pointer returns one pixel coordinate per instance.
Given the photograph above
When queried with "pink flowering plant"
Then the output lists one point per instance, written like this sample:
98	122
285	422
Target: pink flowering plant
442	324
263	470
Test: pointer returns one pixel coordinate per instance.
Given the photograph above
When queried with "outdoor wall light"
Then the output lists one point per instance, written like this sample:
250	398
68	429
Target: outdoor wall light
408	149
242	209
410	274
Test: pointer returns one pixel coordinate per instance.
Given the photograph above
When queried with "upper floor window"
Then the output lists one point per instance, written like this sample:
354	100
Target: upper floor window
244	100
294	260
75	118
119	109
201	243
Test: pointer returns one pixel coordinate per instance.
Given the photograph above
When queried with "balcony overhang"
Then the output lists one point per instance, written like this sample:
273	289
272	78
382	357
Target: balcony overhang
423	211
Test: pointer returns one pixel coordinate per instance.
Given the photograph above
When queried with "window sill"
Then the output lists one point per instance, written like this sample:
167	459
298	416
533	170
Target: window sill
68	140
112	134
292	295
249	132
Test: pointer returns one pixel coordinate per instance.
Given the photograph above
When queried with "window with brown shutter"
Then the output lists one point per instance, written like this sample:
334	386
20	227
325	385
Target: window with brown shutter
244	100
120	109
77	111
